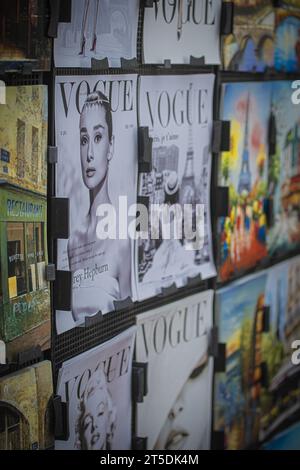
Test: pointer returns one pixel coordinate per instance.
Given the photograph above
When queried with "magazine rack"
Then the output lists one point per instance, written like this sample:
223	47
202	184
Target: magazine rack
101	328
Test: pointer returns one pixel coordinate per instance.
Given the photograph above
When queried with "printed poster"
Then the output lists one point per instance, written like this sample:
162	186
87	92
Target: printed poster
26	409
25	305
176	243
180	29
97	386
287	50
250	48
284	171
96	136
244	169
98	29
174	340
257	397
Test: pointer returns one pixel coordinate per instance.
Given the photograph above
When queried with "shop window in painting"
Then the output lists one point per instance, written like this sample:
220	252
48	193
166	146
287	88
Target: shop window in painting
31	257
40	255
14	429
20	148
16	260
35	154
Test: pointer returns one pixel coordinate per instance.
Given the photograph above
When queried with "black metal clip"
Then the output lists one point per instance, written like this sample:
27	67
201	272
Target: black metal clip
124	304
197	61
144	150
149	3
93	319
59	210
128	64
139	443
52	155
61	419
65	11
221	136
213	345
220	359
99	64
27	68
2	353
54	18
194	281
222	202
227	16
168	291
62	291
141	215
218	440
272	135
143	200
59	12
139	381
264	375
269	211
50	272
266	318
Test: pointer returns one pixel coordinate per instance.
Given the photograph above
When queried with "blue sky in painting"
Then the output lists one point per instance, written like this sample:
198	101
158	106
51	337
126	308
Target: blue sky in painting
238	301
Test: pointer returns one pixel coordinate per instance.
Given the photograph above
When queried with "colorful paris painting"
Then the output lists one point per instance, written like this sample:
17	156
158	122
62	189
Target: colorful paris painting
287	42
257	397
250	48
242	234
284	171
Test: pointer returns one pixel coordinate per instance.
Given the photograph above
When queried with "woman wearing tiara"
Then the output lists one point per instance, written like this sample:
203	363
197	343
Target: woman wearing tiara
101	268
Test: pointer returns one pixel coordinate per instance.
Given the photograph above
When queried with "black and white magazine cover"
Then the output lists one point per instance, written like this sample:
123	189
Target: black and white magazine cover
97	386
178	29
98	29
96	136
173	340
178	112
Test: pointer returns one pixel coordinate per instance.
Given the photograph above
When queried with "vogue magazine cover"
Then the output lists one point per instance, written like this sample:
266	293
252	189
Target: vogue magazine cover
96	135
25	409
251	46
178	112
258	395
182	29
173	340
244	169
284	171
97	386
24	38
99	29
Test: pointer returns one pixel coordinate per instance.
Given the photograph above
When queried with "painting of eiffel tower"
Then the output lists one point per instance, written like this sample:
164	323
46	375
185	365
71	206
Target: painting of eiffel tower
245	174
